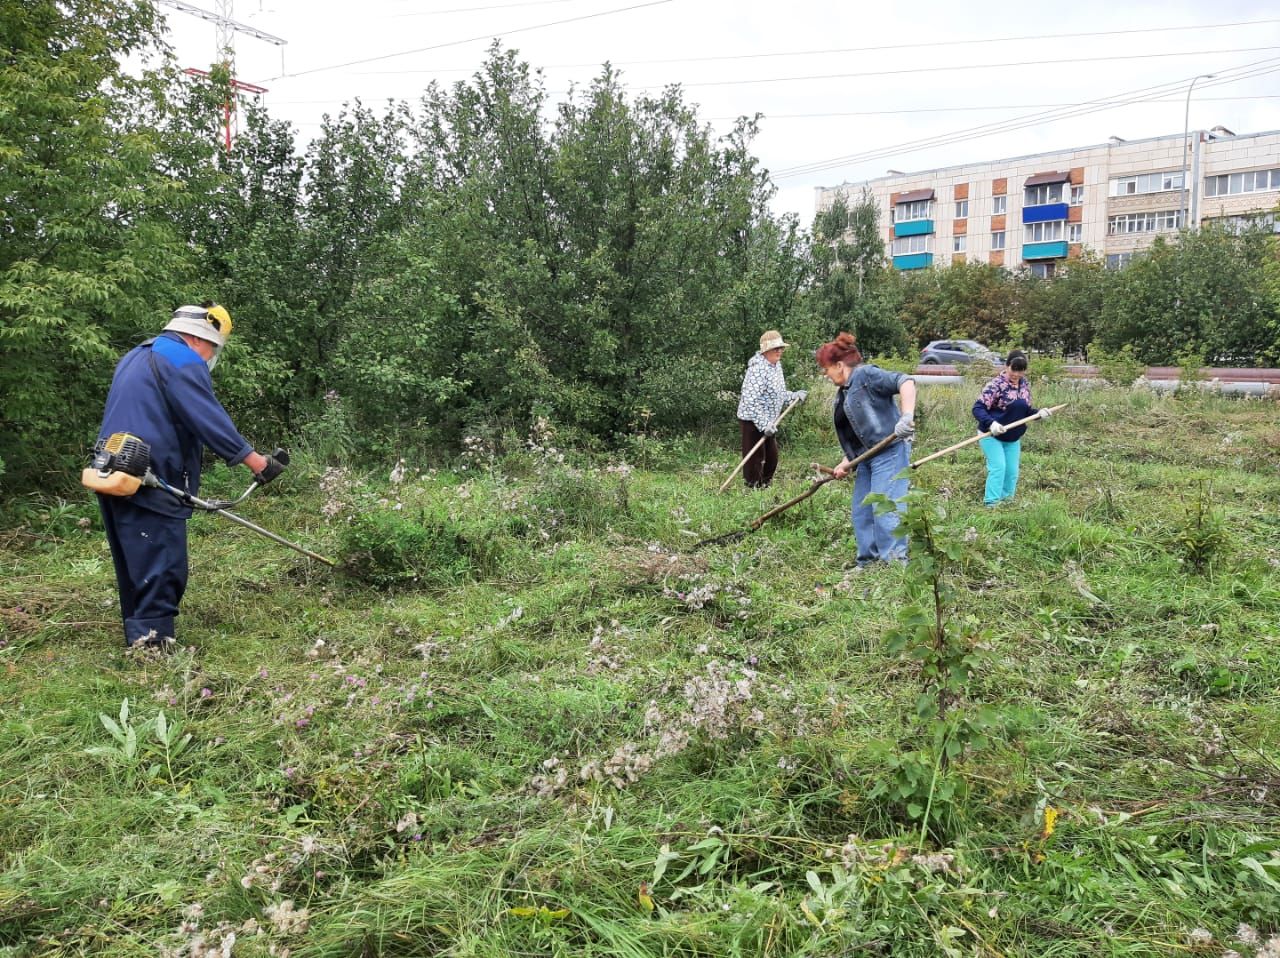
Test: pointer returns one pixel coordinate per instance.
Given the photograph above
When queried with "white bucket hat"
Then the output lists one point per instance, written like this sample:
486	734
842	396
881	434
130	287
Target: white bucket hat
210	323
772	339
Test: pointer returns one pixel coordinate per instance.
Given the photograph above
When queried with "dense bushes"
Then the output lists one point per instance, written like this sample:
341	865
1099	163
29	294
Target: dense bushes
1210	292
465	264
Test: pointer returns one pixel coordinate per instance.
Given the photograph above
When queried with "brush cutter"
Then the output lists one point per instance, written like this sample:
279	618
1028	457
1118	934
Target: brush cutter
122	465
875	450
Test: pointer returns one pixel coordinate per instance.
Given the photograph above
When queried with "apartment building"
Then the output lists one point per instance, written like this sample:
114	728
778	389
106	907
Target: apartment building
1037	211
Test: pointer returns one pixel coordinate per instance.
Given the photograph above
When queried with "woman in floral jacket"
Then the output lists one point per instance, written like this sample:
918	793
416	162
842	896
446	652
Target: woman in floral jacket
1005	399
764	396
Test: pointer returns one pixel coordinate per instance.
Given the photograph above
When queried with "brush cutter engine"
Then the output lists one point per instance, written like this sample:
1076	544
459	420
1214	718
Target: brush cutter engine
120	464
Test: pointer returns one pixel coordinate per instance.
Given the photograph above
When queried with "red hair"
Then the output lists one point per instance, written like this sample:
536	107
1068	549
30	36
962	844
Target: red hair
842	349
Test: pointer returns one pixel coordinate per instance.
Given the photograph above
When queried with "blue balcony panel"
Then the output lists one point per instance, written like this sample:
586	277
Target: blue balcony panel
913	261
1054	250
913	228
1044	214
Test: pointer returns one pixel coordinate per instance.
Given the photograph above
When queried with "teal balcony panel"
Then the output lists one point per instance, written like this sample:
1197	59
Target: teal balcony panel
913	261
1053	250
913	228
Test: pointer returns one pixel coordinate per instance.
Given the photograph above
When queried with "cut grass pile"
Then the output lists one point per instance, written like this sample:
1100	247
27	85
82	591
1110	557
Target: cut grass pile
554	729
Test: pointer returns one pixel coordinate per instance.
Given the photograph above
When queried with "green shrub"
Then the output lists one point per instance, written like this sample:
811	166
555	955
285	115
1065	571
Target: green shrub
1201	537
1046	368
1190	367
1118	367
387	549
568	498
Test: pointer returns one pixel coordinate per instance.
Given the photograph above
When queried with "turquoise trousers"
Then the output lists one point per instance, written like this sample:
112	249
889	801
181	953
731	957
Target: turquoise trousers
1002	468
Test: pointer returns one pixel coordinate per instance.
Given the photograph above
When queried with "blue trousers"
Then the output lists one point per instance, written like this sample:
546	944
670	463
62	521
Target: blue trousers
1002	468
877	534
150	555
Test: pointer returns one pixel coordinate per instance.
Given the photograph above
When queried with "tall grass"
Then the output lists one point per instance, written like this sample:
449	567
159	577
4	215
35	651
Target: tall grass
573	735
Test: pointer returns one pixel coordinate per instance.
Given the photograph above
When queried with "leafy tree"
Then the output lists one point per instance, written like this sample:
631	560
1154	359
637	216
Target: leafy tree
1062	313
853	286
1201	293
88	253
970	300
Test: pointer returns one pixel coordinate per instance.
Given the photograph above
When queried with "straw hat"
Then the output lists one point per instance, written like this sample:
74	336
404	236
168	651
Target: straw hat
772	339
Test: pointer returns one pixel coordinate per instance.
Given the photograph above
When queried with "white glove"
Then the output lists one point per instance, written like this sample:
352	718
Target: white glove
905	428
1044	413
770	430
802	395
997	429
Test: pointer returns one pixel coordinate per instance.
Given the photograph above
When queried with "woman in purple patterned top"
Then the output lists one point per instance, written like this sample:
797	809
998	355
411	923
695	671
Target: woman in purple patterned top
1005	399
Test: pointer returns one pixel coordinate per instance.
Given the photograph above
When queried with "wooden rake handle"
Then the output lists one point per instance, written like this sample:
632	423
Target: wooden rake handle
754	449
875	450
982	435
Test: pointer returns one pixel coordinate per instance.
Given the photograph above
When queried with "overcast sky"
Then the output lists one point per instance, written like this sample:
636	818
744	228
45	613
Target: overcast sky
761	44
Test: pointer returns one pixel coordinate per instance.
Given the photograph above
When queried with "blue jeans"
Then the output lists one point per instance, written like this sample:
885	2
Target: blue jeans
1002	468
876	534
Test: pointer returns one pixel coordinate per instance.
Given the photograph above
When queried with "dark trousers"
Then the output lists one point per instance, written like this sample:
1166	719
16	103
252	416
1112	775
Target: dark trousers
150	555
759	470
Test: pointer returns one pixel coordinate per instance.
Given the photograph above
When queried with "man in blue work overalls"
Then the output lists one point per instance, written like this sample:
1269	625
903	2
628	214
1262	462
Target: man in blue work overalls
162	393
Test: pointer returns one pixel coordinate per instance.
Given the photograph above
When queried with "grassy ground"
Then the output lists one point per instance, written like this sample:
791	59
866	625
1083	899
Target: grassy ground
565	732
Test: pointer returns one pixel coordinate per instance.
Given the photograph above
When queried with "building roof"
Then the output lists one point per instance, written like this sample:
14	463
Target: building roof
1041	179
1030	156
914	195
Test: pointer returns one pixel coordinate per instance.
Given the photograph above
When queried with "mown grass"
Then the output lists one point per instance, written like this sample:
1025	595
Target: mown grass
585	716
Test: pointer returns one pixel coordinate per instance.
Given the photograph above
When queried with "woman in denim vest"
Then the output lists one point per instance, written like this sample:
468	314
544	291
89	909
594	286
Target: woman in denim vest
865	414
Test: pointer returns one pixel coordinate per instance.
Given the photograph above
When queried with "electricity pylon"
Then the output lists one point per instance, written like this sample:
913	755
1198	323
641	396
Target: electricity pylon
227	28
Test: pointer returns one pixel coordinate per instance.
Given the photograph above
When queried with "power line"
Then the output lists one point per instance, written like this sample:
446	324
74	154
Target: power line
870	49
958	67
1146	94
906	110
1015	123
486	36
937	109
495	6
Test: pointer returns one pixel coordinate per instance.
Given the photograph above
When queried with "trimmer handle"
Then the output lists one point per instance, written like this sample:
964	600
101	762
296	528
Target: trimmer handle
275	465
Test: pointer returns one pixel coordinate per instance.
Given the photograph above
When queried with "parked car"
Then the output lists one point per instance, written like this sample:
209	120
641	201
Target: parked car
958	352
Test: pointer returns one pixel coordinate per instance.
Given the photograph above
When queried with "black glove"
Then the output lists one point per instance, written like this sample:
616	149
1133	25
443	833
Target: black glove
275	465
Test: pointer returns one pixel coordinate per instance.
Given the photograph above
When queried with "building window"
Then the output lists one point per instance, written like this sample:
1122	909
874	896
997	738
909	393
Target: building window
1042	270
1043	232
998	205
1074	232
997	239
1146	183
1118	260
919	210
1042	195
1077	195
1148	222
1254	181
1244	222
906	245
893	215
962	209
959	244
